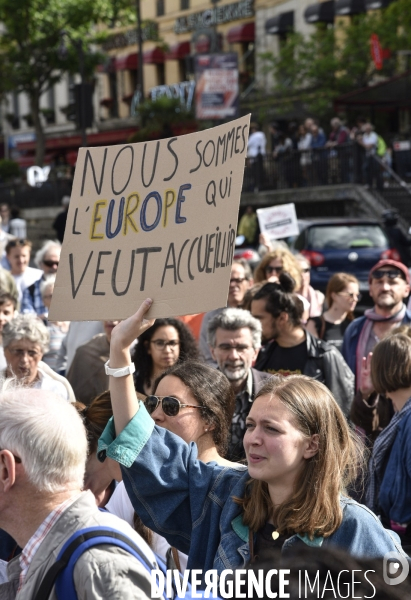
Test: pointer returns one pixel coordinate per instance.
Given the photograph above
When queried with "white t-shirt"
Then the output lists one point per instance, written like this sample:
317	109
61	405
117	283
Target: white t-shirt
370	139
120	505
256	144
27	279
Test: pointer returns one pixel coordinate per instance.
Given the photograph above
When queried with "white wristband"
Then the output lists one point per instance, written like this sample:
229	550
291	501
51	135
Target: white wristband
121	372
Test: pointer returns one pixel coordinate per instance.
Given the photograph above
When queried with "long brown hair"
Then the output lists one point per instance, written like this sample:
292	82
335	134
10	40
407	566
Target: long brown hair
336	284
314	508
290	264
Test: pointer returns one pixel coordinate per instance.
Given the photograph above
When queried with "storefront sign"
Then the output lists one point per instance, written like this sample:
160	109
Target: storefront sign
217	89
215	16
149	31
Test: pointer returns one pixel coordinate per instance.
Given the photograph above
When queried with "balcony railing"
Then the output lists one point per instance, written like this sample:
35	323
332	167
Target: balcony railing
320	166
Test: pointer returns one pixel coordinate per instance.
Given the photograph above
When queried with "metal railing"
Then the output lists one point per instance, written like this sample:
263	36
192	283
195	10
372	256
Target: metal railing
294	169
23	195
305	168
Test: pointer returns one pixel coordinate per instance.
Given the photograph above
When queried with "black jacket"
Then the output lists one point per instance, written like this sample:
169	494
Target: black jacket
324	363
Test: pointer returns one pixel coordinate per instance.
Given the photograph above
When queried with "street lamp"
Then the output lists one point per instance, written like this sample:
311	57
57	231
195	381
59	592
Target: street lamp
78	45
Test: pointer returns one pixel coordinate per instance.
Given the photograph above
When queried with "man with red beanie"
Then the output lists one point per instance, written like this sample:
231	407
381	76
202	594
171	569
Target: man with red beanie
389	285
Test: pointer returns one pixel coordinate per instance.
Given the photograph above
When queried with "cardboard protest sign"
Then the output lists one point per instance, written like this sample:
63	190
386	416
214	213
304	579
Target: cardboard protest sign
156	219
278	221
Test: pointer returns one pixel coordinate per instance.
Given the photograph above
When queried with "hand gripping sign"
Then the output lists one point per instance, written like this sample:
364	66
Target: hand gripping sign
156	219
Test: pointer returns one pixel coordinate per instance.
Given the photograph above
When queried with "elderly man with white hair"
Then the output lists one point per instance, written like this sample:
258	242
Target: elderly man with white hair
234	337
47	259
43	451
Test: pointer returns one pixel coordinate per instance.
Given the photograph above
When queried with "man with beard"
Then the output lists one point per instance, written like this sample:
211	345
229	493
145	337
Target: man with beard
234	337
241	279
389	285
291	350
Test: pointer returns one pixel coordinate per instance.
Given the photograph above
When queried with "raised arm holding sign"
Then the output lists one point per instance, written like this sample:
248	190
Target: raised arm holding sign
158	219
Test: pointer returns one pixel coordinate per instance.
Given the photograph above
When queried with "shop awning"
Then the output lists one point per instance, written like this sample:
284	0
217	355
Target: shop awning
387	95
128	62
349	7
376	4
178	51
321	12
155	56
241	33
101	138
282	23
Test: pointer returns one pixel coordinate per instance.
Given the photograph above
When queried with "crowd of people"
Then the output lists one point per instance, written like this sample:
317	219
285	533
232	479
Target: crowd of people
305	153
242	438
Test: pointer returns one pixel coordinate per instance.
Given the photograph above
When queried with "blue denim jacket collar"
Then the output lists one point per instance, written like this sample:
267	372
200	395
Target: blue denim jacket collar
242	531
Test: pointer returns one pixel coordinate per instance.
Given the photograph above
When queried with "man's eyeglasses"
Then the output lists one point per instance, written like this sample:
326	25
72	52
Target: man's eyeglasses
379	274
33	354
51	263
351	295
161	344
237	280
171	406
270	270
240	348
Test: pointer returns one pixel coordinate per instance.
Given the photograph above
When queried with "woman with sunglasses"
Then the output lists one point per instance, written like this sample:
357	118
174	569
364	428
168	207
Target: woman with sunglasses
301	454
275	262
167	343
342	295
101	478
195	402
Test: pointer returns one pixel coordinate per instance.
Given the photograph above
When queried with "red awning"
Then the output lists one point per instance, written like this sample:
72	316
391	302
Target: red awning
241	33
178	51
153	57
102	138
129	62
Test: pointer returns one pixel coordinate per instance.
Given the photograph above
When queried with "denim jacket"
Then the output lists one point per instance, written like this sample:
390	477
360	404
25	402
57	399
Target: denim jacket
192	504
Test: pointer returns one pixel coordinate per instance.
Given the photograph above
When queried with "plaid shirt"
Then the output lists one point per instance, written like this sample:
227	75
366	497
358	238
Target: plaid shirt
32	302
34	542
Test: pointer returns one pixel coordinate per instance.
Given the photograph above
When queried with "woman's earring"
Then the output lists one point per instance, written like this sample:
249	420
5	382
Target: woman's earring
205	430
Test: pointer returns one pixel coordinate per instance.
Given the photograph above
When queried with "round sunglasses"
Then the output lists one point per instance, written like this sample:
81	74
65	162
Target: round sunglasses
171	406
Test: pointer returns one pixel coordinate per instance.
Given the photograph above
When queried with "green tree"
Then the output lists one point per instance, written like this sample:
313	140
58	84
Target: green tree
336	60
29	47
161	116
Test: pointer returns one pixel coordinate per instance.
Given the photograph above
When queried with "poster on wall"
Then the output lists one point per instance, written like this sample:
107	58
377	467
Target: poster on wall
217	88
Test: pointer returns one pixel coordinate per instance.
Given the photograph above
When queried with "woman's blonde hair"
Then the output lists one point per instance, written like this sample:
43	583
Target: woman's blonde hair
314	508
290	264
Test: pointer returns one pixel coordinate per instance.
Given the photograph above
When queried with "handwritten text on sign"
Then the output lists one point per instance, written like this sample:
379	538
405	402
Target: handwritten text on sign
154	219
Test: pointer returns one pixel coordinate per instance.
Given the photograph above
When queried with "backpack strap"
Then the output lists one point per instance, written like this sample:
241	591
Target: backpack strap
61	573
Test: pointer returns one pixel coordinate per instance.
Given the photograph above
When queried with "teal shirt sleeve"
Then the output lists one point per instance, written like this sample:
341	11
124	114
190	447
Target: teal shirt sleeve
125	448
